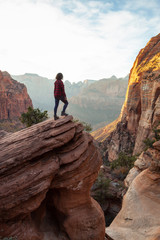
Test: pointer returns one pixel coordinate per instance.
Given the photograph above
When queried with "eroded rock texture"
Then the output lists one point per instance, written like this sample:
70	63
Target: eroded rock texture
141	110
14	99
46	172
139	217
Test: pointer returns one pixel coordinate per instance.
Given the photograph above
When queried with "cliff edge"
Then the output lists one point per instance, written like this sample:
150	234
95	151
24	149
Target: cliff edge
46	172
141	110
14	99
139	217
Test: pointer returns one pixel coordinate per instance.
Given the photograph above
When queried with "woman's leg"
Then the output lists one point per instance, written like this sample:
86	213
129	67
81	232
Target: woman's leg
65	105
56	106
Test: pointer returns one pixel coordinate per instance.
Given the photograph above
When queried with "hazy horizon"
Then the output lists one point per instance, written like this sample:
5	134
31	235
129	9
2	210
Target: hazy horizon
36	74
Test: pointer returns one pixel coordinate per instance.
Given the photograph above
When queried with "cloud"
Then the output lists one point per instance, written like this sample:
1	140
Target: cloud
142	6
82	39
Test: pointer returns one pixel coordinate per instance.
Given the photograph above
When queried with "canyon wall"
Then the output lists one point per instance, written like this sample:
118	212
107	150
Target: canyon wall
139	217
141	110
14	99
46	172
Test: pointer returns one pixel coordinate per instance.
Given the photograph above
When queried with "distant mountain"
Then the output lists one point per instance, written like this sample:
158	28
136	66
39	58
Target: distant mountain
73	89
100	103
95	102
40	89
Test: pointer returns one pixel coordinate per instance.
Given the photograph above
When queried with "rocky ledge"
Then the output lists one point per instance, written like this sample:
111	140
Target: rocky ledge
139	217
46	172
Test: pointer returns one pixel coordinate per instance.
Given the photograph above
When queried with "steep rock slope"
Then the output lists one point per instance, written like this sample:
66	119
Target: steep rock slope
141	110
14	98
46	172
139	217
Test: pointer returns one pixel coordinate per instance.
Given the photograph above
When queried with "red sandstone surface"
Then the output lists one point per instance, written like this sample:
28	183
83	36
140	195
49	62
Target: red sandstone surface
139	217
46	172
141	110
14	99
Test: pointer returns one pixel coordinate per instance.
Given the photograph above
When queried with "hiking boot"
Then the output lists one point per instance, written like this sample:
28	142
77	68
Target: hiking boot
64	114
56	117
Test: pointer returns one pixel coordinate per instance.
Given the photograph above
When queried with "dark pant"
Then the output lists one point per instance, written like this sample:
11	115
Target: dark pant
57	103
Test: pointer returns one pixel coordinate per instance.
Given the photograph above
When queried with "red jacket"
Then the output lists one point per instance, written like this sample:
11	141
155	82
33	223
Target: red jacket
59	89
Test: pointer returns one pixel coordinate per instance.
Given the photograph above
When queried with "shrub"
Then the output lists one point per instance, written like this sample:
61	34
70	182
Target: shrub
33	116
120	172
101	188
122	165
123	160
87	126
149	143
157	134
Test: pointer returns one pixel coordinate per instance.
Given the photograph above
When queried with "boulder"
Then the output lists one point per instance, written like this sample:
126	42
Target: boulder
46	172
139	217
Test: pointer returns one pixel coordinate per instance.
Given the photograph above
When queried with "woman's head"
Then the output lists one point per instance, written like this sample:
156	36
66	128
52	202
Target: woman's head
59	76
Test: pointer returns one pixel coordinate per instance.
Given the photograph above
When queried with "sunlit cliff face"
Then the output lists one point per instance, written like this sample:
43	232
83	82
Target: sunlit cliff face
141	110
148	61
102	133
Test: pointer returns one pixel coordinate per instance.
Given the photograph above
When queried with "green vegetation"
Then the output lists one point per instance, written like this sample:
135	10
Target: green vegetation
123	160
122	165
157	134
33	116
87	126
101	188
149	142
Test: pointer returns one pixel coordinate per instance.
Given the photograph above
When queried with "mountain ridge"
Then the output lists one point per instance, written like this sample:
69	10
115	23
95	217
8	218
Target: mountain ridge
83	97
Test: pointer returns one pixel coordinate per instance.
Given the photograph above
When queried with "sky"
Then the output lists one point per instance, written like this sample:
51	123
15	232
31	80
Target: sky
83	39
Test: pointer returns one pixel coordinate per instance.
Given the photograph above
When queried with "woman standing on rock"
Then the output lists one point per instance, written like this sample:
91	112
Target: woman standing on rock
59	94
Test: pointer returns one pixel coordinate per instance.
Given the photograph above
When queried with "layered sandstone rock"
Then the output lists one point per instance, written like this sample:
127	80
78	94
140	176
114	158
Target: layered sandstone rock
139	217
14	99
46	172
141	110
